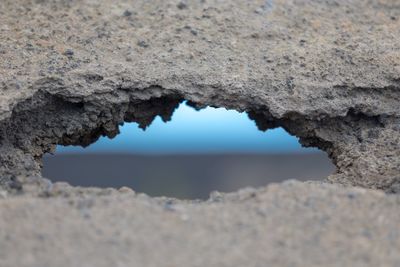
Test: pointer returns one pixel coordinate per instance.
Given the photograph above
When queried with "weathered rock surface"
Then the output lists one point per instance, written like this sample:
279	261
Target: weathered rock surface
327	71
291	224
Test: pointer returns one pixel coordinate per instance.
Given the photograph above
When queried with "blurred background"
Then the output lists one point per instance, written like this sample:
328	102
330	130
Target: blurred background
194	154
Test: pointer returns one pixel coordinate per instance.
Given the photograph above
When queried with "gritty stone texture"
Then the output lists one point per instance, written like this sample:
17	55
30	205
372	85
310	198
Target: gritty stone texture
291	224
326	71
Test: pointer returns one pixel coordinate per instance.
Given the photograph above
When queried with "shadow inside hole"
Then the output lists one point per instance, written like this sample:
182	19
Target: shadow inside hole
194	154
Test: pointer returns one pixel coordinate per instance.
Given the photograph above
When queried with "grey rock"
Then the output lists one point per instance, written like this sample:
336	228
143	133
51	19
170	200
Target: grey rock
69	52
127	13
327	72
290	224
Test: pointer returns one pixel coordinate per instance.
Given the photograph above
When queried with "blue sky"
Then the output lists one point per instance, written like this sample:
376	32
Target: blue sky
210	130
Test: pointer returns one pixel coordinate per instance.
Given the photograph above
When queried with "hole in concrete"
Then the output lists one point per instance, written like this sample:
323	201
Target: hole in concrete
194	154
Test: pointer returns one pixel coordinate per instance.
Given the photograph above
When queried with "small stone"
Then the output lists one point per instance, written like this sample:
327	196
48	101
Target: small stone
125	190
182	5
351	195
216	196
255	35
127	13
259	10
68	53
142	43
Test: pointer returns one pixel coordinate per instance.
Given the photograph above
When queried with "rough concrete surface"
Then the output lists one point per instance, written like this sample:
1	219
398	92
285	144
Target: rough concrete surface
290	224
326	71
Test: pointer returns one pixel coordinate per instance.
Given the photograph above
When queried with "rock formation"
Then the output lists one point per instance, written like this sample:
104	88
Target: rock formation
326	71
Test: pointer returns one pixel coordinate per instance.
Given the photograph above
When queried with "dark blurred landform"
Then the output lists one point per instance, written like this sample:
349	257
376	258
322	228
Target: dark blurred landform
187	176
